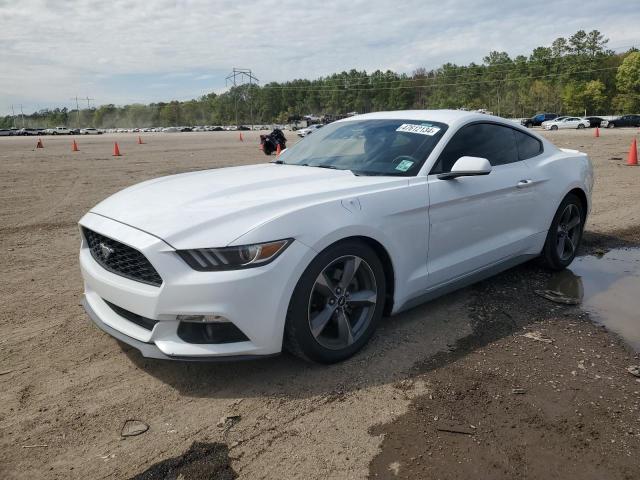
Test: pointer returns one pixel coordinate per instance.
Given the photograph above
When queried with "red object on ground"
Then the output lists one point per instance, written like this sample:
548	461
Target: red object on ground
74	147
39	144
240	137
140	142
597	132
278	150
632	159
116	150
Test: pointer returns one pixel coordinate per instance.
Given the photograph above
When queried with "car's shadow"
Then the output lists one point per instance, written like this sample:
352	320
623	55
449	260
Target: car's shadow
423	338
427	336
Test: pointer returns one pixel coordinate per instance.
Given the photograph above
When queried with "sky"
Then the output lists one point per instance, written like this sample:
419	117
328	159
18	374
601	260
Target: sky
118	51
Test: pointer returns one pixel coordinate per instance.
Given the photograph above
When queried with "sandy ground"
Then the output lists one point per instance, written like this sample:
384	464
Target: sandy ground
67	388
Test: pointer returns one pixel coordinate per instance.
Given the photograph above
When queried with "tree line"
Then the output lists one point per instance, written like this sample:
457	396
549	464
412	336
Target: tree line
576	75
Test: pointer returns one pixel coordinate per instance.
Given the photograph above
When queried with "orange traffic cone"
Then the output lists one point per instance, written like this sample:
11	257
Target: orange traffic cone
632	159
116	150
278	150
596	133
140	142
74	147
240	137
39	144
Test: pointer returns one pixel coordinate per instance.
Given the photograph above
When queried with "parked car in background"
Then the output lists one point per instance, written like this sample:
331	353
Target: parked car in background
303	132
537	119
90	131
171	130
569	122
370	215
623	121
557	119
58	131
595	121
5	132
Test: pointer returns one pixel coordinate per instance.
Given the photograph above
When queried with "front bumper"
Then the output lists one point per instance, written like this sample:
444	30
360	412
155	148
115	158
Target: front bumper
255	300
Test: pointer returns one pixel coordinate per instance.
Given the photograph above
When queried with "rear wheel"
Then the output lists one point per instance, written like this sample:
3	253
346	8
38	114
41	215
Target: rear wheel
565	233
337	303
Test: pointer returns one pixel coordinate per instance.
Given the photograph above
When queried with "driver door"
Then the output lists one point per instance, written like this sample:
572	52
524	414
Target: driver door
478	221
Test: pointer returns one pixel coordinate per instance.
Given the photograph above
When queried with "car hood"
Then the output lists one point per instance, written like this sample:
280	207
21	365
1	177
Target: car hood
212	208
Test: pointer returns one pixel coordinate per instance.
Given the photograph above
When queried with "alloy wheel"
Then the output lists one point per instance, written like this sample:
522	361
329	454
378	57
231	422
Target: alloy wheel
569	230
342	302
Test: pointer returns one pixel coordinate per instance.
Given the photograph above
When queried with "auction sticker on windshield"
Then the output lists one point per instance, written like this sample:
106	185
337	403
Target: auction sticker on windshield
404	165
419	129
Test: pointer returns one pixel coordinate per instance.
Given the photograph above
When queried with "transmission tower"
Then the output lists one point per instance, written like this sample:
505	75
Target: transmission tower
240	76
78	106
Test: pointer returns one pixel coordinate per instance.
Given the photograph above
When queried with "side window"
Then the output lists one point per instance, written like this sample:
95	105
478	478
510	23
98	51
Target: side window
493	142
528	147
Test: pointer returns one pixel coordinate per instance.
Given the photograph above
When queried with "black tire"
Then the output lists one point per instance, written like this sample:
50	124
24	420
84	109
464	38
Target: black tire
580	126
299	338
554	127
610	125
552	246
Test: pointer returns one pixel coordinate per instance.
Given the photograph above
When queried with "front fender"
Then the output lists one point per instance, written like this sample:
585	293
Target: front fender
396	218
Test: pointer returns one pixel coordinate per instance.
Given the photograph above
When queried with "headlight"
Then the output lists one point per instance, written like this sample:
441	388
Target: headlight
234	258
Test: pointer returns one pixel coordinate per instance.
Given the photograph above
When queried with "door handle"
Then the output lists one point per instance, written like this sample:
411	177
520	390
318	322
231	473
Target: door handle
525	183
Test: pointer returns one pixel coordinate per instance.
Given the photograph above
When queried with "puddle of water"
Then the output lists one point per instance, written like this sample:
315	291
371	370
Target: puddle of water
608	288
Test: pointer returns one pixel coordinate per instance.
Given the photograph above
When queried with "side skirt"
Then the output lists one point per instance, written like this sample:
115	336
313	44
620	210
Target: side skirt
465	281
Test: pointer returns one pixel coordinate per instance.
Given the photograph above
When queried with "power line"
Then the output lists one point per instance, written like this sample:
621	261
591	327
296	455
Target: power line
482	69
436	85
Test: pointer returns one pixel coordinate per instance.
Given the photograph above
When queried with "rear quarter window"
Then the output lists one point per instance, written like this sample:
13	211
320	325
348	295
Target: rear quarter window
528	146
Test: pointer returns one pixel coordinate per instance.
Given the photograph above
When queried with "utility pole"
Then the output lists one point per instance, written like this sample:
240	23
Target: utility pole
88	106
22	114
237	77
13	116
77	111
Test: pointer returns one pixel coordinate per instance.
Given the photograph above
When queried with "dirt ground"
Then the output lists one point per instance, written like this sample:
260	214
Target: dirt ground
431	396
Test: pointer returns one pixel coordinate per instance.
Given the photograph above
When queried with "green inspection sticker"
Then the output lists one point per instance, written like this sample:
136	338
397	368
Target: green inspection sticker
404	165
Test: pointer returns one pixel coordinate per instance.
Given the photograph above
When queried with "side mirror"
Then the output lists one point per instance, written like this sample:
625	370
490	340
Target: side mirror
467	167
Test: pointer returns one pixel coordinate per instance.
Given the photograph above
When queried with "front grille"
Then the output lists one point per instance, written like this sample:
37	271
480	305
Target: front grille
143	322
121	259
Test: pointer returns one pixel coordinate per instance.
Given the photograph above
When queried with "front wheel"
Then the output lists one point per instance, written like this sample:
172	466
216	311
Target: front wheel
580	126
565	234
337	303
554	127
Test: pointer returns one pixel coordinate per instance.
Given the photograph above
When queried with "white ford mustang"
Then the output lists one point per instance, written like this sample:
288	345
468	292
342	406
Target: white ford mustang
370	215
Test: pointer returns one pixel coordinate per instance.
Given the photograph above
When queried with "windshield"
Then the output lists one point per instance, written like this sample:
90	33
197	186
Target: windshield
368	147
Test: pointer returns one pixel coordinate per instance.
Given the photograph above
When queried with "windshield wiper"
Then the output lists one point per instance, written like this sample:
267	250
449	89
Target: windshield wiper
332	167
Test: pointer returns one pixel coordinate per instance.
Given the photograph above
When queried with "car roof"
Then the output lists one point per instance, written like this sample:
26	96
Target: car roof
453	118
450	117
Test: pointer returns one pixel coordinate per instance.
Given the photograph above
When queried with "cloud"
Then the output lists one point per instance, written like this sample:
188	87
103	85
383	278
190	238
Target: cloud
103	49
